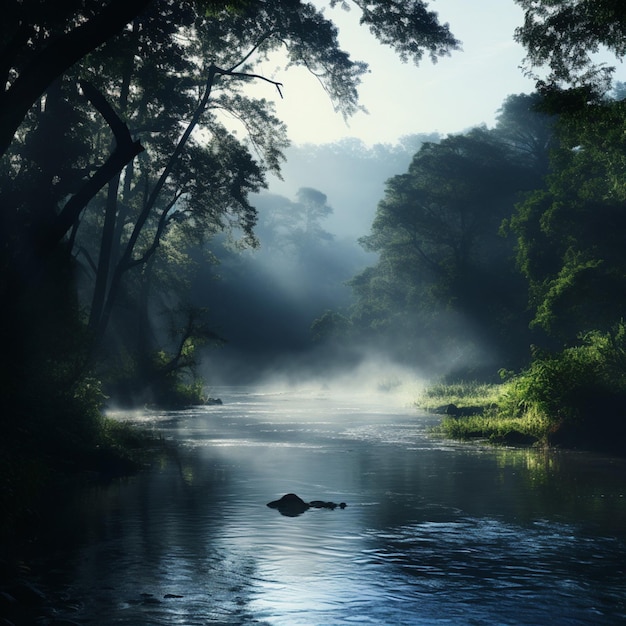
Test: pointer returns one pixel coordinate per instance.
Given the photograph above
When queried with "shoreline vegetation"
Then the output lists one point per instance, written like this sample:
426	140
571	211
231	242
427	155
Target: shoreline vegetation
575	398
34	473
85	446
34	477
472	410
493	413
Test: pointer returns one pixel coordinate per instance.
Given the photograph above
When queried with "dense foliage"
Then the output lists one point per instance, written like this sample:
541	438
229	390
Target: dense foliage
504	249
571	242
120	155
565	35
549	181
446	286
120	162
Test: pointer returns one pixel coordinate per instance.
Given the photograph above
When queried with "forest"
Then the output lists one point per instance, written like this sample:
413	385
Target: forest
499	256
131	221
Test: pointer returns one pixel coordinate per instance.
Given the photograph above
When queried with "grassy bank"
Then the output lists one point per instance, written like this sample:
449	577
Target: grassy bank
508	414
472	410
574	398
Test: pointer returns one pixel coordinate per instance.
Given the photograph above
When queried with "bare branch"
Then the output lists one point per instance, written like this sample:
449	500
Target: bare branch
276	84
252	50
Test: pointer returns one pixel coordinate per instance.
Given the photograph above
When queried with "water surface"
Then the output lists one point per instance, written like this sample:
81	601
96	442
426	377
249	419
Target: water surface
434	533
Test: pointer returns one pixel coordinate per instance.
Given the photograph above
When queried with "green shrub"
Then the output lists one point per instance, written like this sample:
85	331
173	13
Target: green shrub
576	397
580	392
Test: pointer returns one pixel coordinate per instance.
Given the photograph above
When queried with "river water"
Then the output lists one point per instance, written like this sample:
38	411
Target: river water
435	532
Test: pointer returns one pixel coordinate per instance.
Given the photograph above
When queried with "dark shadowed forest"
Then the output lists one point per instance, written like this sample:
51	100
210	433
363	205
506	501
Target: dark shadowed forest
146	256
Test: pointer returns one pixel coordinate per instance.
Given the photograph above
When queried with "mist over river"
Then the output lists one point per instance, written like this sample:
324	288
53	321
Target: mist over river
435	532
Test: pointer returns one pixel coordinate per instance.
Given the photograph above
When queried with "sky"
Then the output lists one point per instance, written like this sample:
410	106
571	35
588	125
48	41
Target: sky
458	92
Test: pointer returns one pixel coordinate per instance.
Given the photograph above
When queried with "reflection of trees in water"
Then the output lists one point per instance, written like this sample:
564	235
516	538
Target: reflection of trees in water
418	510
163	530
569	484
521	485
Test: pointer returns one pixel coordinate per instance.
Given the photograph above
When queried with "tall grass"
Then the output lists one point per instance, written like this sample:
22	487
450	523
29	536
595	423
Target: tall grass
574	398
462	394
497	428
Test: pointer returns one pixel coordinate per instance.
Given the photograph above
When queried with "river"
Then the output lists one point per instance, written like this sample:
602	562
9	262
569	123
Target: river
434	532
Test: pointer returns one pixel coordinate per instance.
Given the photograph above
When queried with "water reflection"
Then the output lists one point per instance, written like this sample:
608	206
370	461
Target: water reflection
434	532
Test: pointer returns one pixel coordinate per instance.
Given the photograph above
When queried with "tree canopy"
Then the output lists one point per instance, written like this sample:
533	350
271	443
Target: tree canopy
446	282
564	36
571	231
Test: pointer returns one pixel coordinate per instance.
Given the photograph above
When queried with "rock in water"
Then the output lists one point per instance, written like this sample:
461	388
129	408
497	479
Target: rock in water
290	505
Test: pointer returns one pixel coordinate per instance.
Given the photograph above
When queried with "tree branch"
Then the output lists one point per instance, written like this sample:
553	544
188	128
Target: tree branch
252	50
99	102
125	150
276	84
163	221
57	57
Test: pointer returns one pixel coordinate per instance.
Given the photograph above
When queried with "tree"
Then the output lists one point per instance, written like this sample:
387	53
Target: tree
565	36
263	24
39	43
407	26
113	83
528	133
294	229
571	242
445	279
262	300
200	184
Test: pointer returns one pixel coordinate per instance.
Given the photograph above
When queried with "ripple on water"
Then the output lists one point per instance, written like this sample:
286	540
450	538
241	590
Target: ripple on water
433	533
465	571
509	570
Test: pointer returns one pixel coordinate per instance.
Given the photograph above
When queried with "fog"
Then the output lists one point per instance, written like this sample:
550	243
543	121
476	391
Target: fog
263	301
351	174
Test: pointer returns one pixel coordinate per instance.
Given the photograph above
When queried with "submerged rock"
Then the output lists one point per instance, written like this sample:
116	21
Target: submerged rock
292	505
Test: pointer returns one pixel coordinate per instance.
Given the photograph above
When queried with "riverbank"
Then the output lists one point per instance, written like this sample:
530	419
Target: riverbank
496	413
33	470
471	410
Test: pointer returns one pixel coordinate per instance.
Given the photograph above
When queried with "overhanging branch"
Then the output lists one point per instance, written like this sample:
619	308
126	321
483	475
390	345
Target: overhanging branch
125	151
276	84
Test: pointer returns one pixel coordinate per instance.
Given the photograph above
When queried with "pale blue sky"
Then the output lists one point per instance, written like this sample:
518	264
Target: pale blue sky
457	93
